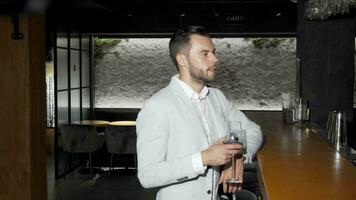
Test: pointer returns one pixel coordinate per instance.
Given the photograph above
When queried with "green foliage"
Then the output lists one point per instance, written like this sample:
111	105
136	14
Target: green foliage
261	43
101	43
107	42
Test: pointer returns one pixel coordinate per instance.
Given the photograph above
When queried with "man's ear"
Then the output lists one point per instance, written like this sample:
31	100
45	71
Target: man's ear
182	60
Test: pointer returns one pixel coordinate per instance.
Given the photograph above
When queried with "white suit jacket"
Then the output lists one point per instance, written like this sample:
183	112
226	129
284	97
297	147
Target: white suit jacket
170	131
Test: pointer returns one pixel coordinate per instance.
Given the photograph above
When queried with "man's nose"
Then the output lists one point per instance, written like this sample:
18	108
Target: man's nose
214	59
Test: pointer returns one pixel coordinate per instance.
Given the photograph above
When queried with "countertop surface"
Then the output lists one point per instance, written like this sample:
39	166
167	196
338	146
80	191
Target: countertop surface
295	162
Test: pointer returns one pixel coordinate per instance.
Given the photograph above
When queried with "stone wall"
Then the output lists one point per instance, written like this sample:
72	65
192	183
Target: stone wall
251	76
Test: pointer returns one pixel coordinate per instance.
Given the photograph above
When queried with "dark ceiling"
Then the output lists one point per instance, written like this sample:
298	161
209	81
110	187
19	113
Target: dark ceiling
163	16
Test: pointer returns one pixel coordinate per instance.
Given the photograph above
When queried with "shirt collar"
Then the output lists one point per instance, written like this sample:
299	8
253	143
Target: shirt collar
192	95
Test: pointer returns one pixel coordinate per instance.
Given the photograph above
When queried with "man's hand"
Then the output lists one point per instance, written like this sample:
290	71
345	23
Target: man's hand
220	154
227	173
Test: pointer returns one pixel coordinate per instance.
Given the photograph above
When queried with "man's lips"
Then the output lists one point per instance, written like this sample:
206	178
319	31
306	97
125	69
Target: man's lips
212	69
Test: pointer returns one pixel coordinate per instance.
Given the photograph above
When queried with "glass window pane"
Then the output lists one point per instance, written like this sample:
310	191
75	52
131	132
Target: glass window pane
62	69
74	69
86	103
75	105
50	94
62	41
74	42
251	72
85	69
85	43
62	107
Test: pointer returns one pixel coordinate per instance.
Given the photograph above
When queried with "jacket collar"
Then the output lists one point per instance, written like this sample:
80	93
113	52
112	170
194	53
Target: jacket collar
191	94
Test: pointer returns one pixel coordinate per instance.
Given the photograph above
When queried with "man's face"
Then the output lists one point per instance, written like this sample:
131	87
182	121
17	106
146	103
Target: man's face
201	59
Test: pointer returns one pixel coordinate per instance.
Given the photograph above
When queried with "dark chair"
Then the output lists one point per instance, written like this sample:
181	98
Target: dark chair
120	140
81	139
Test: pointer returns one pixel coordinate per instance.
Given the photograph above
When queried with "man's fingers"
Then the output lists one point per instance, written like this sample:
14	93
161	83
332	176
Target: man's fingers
225	187
233	151
233	146
232	187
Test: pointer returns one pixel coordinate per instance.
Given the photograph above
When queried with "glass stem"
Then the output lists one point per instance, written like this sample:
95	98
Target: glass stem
233	165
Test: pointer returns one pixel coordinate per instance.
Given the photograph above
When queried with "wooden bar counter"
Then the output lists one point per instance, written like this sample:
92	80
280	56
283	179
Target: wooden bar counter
296	163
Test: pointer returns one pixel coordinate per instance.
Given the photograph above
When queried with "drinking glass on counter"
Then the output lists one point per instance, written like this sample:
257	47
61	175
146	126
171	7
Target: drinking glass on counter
294	110
234	134
288	108
301	111
287	100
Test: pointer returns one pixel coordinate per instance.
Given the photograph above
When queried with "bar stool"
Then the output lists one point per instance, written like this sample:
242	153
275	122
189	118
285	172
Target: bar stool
81	139
120	140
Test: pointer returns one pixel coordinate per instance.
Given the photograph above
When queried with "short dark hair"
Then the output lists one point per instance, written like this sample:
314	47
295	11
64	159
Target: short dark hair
181	38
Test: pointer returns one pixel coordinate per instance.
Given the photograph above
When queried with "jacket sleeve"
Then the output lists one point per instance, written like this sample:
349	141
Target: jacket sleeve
154	169
254	135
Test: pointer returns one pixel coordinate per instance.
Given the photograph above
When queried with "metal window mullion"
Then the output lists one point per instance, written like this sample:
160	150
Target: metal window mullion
80	78
91	74
56	133
69	78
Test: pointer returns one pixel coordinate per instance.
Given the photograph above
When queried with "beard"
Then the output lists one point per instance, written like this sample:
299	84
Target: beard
200	74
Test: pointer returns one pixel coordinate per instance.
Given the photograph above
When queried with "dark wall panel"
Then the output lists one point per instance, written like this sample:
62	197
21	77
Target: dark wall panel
326	49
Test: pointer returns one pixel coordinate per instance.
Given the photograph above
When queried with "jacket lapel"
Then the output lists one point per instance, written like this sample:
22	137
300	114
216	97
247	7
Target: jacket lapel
189	107
216	118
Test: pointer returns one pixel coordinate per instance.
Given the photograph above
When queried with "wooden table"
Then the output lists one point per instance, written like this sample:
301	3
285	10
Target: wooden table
123	123
296	163
98	123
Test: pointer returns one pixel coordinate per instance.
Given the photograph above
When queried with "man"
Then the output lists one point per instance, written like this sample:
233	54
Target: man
179	130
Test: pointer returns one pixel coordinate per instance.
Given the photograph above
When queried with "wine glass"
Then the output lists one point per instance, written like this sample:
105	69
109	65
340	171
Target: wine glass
234	134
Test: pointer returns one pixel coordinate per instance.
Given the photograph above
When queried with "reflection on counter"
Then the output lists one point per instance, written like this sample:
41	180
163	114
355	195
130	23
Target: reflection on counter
300	133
